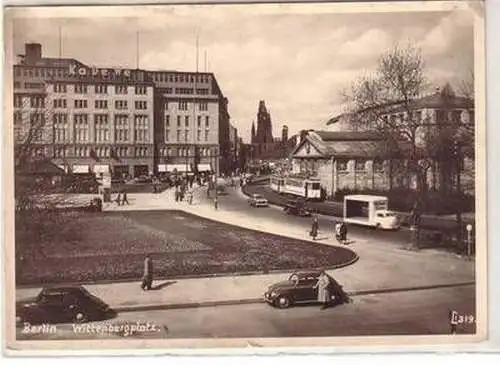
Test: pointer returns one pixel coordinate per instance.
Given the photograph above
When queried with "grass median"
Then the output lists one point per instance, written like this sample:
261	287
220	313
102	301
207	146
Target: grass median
92	247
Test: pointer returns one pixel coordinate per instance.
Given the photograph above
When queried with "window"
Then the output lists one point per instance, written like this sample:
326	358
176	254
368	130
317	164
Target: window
141	104
342	165
167	135
207	121
18	117
141	90
17	85
18	101
186	135
178	135
101	104
456	116
60	152
82	151
198	135
101	128
202	91
33	85
101	89
168	90
121	104
418	117
61	128
165	105
378	165
80	89
183	105
141	151
141	126
81	128
121	128
199	121
186	121
206	136
167	121
121	89
178	121
59	103
60	88
204	106
37	101
81	104
360	165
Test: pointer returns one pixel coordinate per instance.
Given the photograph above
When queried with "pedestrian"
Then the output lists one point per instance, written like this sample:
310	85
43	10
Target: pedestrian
147	278
343	233
323	289
314	228
190	197
118	199
125	198
177	194
337	231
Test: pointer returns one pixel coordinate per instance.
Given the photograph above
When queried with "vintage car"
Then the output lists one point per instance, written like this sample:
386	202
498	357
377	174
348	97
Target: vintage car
297	207
299	288
62	304
257	200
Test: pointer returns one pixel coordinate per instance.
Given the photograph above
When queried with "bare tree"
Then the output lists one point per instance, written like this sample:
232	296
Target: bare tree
385	102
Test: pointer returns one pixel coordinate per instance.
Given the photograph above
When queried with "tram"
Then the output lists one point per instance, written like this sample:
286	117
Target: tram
308	188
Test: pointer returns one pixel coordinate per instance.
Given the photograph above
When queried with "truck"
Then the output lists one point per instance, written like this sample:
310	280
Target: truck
370	210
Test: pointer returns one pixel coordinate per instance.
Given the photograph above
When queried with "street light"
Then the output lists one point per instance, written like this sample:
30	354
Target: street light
469	240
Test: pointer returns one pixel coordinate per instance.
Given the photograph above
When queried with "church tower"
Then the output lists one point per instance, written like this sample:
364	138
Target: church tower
252	140
264	126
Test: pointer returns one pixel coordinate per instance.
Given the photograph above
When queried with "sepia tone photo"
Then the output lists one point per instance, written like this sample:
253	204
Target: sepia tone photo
200	176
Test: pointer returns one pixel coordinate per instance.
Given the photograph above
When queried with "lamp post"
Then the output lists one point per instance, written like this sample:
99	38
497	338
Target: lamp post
469	240
216	203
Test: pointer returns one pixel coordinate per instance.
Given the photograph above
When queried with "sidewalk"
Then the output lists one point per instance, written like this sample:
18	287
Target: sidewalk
380	267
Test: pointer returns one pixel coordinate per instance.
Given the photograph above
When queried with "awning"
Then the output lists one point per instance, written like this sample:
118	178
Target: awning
162	168
80	169
204	167
179	168
101	169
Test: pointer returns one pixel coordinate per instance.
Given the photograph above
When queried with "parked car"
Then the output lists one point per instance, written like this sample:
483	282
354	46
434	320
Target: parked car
257	200
296	208
299	288
143	179
62	304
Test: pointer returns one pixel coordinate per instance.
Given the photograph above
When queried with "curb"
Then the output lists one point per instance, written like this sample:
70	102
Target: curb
261	300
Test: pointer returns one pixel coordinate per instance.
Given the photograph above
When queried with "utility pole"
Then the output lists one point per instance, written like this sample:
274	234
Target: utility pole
60	42
216	203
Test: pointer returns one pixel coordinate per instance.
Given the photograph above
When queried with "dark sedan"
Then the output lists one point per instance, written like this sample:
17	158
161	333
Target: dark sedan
62	304
299	288
297	208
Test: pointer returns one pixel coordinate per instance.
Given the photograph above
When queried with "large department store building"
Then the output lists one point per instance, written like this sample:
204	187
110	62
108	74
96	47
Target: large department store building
121	121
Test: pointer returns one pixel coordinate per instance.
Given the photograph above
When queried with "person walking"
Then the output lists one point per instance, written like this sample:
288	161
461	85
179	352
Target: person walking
314	228
343	233
147	277
118	199
323	289
125	198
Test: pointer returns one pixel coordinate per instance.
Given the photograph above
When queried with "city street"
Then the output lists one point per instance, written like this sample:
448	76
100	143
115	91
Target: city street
404	313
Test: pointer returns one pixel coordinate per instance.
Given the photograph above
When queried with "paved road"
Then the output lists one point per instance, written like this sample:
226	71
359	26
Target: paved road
234	201
405	313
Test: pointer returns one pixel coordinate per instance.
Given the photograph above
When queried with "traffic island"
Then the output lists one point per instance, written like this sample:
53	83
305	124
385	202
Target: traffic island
110	247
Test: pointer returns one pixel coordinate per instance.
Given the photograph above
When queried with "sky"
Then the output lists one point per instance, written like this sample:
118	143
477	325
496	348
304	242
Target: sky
297	62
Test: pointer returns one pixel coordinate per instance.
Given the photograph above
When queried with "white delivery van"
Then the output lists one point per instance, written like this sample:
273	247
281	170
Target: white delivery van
369	210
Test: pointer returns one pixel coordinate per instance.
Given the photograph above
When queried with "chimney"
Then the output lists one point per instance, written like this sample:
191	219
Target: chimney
33	52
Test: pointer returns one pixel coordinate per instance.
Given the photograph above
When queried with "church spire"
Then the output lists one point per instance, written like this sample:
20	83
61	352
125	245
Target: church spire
253	133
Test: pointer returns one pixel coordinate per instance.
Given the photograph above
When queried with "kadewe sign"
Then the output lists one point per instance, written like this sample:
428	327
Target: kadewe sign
106	73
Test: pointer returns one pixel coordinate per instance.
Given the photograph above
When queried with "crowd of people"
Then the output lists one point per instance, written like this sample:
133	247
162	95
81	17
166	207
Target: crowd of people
340	230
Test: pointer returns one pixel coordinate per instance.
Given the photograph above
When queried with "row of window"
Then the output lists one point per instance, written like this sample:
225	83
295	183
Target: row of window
185	152
157	76
100	89
186	121
99	104
343	165
184	105
87	151
442	116
101	135
183	135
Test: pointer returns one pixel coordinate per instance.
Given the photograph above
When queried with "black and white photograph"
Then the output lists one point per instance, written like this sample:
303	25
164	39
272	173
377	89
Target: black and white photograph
239	175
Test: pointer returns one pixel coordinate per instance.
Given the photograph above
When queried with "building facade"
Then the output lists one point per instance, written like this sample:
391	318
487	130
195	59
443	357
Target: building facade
432	114
126	122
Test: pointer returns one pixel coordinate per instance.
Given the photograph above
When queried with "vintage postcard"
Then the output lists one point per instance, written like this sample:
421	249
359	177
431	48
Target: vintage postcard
277	176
